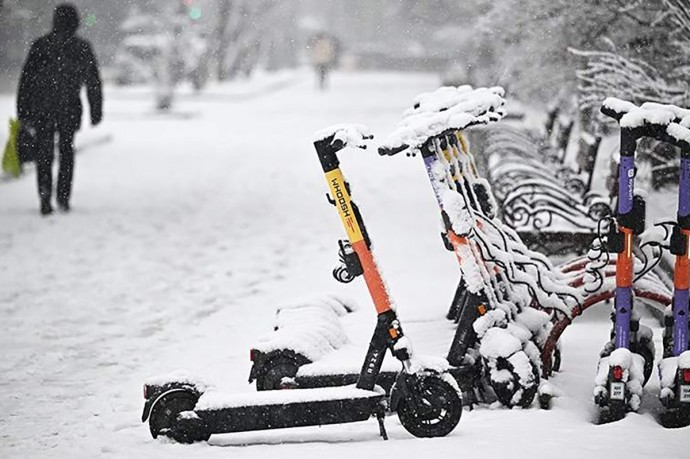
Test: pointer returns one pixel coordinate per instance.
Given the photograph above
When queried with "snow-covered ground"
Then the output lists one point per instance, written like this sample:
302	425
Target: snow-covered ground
187	231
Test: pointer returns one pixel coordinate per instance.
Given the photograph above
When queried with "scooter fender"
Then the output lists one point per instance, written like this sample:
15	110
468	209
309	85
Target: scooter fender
399	391
402	389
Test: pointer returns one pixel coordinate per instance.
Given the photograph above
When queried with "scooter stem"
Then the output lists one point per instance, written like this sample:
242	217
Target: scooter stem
327	150
624	263
681	273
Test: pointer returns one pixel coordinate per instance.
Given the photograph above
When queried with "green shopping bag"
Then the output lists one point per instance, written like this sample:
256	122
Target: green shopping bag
10	159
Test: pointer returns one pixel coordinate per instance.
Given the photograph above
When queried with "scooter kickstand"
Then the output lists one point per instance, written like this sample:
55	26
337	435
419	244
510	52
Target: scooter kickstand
380	416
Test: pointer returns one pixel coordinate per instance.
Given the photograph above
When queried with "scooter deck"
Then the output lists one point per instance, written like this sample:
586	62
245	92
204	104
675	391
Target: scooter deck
223	413
385	379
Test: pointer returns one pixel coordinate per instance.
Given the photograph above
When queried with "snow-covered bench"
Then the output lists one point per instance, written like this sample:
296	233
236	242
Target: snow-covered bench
548	203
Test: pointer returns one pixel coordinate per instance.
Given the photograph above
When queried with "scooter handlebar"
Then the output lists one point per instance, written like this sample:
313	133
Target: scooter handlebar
443	112
649	120
678	135
328	142
457	123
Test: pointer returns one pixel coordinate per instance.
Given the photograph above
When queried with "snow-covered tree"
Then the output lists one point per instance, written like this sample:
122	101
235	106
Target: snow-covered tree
661	75
246	34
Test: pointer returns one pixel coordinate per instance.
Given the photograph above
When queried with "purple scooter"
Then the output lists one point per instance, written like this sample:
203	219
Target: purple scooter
674	369
666	123
628	359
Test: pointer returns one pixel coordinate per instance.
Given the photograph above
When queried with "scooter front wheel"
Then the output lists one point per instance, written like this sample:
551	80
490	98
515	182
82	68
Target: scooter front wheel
513	387
432	408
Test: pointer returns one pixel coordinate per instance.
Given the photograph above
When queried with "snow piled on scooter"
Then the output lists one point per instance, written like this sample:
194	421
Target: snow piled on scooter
668	371
445	109
352	135
496	243
633	375
181	377
310	327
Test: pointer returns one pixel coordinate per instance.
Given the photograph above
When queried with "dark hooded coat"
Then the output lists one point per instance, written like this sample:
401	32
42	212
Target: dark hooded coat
58	66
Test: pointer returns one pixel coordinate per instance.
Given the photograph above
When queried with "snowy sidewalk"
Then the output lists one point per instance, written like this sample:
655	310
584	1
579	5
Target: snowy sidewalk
188	231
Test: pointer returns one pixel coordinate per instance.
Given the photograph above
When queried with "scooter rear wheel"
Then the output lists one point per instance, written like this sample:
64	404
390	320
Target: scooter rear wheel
273	377
675	418
432	408
164	418
613	412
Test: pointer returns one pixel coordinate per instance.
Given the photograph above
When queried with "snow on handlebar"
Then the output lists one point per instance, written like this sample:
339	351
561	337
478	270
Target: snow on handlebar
631	116
443	111
667	123
345	135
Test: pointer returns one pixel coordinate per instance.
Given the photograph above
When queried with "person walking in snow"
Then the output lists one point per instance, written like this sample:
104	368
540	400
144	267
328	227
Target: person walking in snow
59	64
324	50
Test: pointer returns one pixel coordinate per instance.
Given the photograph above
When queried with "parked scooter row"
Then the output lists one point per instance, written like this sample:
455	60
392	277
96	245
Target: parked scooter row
498	304
502	307
510	291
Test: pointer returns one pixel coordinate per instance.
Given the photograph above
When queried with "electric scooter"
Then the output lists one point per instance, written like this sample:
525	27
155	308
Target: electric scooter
486	313
674	369
302	353
285	368
626	361
428	402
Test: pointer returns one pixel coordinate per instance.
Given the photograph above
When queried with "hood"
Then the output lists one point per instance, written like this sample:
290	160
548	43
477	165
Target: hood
66	20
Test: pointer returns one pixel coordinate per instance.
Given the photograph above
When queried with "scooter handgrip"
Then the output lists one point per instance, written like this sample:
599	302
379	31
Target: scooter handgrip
390	151
616	108
612	113
679	136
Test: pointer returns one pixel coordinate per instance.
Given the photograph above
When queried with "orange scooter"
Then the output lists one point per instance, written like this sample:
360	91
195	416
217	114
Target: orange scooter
428	402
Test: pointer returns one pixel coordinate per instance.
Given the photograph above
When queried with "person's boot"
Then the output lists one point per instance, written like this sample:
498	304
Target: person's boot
46	208
63	205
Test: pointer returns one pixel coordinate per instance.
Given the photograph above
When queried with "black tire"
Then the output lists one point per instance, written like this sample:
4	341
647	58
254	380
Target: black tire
545	401
164	418
505	390
613	412
274	373
675	418
434	411
646	350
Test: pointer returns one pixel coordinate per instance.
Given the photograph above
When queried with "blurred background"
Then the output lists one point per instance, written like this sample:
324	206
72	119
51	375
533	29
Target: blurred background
194	220
556	56
520	44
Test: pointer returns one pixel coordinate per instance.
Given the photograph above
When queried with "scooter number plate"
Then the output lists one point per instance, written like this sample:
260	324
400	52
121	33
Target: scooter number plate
617	391
685	394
